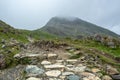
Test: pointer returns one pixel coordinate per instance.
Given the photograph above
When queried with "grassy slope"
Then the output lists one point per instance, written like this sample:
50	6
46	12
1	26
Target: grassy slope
21	35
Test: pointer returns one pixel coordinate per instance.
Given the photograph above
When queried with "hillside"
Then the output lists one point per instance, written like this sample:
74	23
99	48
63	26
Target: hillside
39	55
74	27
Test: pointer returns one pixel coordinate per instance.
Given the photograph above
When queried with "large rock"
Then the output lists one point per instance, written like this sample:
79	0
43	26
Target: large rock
33	70
53	73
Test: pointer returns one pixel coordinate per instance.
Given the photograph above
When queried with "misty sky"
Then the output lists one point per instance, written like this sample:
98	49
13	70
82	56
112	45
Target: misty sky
33	14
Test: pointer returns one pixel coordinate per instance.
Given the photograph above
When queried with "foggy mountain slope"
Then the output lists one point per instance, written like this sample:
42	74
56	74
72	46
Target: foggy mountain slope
74	27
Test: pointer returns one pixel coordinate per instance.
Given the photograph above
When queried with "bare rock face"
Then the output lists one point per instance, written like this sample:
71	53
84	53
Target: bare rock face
2	61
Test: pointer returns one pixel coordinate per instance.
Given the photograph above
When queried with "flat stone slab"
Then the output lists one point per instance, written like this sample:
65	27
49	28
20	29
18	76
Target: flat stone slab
33	78
67	73
45	63
54	66
76	69
53	73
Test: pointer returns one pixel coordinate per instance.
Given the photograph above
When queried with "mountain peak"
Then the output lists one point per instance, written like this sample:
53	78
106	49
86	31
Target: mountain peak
73	26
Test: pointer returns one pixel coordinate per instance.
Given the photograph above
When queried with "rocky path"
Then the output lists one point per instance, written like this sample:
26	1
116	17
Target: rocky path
55	63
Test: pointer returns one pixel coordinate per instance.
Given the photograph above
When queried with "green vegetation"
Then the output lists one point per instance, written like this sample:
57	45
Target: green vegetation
88	46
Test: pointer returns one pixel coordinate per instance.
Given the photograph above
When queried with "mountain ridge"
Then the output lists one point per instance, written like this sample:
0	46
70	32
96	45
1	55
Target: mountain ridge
74	27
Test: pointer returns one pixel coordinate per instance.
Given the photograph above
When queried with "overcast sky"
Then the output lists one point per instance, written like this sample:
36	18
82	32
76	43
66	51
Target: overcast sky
33	14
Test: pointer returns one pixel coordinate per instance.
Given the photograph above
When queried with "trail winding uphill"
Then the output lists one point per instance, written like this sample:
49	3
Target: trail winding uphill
46	60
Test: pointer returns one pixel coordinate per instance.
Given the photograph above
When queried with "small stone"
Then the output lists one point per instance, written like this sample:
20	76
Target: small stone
33	78
45	62
106	77
67	73
53	73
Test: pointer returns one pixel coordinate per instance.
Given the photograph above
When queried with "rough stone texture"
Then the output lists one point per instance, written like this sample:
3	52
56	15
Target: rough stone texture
33	70
53	73
15	73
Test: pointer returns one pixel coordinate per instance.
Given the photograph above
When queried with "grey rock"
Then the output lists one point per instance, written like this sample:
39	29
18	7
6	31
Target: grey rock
33	70
73	77
116	77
